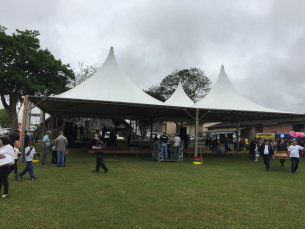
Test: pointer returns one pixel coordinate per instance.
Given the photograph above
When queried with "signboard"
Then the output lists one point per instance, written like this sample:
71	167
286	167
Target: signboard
266	135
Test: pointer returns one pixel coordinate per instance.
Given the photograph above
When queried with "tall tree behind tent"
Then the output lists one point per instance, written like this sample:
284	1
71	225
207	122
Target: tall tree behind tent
195	84
26	69
81	75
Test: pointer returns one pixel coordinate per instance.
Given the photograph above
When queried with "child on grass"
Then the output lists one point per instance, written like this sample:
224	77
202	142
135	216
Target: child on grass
29	154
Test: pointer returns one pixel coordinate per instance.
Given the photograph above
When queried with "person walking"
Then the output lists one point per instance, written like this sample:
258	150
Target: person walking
46	147
294	150
177	140
61	144
6	149
99	153
164	139
252	150
29	154
36	138
266	152
282	146
14	166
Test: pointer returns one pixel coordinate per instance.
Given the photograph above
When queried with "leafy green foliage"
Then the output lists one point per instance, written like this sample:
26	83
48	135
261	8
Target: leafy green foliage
4	118
194	82
25	69
154	91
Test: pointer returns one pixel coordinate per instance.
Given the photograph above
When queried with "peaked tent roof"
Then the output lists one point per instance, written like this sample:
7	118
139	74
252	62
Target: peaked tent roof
110	94
224	96
110	83
179	98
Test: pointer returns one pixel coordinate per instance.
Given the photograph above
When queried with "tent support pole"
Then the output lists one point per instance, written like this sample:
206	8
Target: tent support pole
51	119
129	139
25	117
196	133
237	136
43	125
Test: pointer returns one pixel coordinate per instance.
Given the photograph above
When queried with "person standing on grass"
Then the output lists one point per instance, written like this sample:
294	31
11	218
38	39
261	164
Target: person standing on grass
164	139
294	150
266	152
29	154
247	143
14	166
36	138
31	137
282	146
81	132
226	142
218	148
252	150
26	139
99	153
177	140
14	136
5	150
61	144
46	147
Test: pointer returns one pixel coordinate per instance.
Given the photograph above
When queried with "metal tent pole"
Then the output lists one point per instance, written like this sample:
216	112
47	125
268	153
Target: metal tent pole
196	133
43	125
237	136
25	117
51	128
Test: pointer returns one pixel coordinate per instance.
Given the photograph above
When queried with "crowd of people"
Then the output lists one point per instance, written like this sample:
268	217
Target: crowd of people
10	147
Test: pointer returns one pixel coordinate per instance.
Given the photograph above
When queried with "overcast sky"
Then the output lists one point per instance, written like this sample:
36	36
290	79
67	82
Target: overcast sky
260	43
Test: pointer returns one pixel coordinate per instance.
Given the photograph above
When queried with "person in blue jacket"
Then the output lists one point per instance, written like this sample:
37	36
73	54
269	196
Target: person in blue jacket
226	141
266	152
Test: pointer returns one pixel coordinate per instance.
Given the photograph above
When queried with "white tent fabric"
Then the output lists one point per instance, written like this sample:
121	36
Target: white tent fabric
224	96
110	83
179	98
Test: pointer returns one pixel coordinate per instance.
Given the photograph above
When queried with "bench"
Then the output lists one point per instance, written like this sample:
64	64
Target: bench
122	150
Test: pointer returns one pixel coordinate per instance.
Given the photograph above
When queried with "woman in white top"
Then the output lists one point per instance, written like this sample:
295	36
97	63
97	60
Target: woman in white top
14	166
5	150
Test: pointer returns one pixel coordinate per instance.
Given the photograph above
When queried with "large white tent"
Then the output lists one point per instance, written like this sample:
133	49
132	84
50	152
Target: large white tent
179	98
109	93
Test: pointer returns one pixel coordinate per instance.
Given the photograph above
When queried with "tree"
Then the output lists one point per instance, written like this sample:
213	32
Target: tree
4	118
195	84
25	69
155	92
83	74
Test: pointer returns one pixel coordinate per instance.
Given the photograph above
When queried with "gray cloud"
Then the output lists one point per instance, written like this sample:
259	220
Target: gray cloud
260	43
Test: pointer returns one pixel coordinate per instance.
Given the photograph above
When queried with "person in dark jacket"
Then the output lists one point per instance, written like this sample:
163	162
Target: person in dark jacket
266	152
252	150
26	139
99	153
13	137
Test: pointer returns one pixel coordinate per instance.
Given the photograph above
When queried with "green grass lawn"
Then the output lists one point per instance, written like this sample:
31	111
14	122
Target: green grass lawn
228	192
